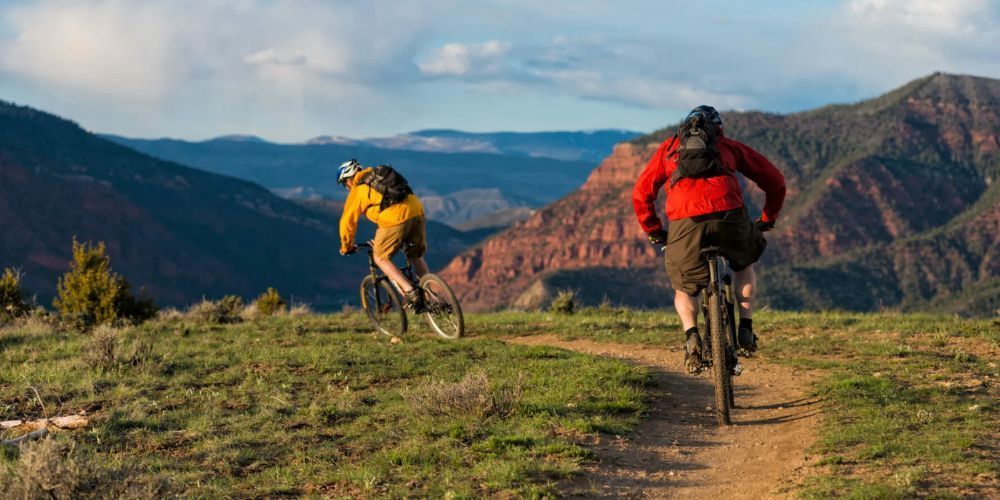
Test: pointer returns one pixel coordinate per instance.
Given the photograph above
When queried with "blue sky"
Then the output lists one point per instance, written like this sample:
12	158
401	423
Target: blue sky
289	70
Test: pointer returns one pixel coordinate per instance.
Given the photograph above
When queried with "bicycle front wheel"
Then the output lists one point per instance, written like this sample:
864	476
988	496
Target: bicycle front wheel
444	313
720	359
383	306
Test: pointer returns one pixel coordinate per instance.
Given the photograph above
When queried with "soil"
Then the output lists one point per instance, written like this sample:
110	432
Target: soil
679	450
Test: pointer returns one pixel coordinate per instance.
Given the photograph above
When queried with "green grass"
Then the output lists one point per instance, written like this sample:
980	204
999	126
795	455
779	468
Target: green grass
318	406
910	400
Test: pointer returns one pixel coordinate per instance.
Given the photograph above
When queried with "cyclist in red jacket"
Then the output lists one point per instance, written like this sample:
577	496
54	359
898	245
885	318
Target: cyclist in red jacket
706	209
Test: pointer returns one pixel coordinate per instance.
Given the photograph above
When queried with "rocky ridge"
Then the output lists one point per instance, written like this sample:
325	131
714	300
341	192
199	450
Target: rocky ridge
891	202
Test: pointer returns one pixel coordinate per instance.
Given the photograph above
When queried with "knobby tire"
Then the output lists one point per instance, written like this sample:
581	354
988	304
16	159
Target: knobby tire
386	313
444	313
720	363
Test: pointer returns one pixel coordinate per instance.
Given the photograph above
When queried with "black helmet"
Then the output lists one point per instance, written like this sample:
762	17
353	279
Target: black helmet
708	113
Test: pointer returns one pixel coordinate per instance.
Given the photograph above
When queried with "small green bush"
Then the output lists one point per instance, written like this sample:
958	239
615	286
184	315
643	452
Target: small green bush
223	311
270	303
12	303
564	302
91	294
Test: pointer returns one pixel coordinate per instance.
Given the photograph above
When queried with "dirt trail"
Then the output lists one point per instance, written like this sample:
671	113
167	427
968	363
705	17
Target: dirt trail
680	452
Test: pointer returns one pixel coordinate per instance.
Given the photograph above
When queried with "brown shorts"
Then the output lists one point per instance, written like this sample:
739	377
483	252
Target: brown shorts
732	231
412	234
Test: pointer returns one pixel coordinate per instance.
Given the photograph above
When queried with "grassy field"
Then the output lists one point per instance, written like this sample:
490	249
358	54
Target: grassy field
911	402
317	405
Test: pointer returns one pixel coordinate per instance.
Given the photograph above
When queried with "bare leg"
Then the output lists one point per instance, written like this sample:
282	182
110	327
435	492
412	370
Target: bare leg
687	309
746	281
394	274
420	266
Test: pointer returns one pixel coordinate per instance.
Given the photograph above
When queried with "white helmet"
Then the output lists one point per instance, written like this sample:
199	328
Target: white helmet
347	171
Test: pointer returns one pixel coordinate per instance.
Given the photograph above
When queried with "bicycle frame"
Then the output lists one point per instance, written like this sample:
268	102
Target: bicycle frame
379	276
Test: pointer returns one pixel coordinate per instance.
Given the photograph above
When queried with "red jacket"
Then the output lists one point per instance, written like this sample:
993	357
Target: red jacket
691	197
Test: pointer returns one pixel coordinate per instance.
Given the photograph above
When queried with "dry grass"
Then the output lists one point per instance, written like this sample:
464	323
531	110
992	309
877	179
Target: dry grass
109	349
51	469
472	396
101	352
226	310
170	314
37	322
299	310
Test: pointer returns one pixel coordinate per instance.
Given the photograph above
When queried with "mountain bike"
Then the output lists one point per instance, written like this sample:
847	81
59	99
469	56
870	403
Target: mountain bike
719	307
382	300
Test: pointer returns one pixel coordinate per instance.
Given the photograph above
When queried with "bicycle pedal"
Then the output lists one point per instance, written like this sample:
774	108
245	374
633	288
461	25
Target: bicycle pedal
737	370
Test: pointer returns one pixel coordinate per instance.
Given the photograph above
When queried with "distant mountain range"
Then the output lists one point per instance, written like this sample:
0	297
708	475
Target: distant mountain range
457	187
180	232
589	146
892	203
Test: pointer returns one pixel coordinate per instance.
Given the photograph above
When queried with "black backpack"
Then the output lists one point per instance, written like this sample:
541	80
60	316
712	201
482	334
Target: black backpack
698	152
389	183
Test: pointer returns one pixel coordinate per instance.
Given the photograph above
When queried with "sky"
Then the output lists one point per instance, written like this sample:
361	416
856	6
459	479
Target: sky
289	70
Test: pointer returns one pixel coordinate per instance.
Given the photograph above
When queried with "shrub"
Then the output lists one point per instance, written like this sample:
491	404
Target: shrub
101	352
223	311
91	294
472	396
50	469
564	302
107	350
270	303
12	303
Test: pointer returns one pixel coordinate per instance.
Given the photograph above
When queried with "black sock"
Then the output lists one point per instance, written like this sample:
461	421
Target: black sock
746	323
690	331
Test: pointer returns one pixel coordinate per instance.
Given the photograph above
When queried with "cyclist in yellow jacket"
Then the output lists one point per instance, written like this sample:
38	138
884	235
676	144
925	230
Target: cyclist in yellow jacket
401	225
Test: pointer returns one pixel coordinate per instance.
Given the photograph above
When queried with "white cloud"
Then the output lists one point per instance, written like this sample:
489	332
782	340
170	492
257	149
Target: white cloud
467	60
289	69
143	51
590	67
91	46
954	17
271	56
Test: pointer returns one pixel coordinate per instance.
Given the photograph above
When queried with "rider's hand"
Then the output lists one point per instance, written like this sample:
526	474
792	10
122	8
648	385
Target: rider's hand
763	226
658	237
349	250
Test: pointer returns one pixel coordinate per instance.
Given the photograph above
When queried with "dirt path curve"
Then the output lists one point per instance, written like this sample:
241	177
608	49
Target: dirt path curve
680	452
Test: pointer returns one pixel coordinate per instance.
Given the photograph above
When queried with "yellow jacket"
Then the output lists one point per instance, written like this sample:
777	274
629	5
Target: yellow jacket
364	200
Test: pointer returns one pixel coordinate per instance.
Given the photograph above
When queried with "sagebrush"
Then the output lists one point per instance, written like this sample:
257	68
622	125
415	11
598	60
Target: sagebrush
91	294
109	348
228	309
54	470
472	396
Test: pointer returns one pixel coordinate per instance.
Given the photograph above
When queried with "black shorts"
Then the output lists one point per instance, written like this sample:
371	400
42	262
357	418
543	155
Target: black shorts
732	231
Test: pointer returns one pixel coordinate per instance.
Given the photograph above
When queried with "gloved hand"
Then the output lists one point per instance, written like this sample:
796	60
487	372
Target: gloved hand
349	250
658	237
763	226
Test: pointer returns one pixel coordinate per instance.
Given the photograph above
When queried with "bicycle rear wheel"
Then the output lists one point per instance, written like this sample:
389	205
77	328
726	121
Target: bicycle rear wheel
444	313
720	359
383	306
731	328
